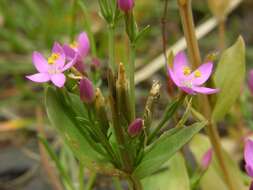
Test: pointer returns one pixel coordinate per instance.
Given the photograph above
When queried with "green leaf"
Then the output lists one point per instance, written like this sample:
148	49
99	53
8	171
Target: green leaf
199	145
229	77
64	122
164	148
174	178
58	164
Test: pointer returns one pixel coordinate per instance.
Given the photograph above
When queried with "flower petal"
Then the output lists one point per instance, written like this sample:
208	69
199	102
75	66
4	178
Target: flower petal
69	52
83	44
173	76
249	170
57	48
248	152
59	63
39	77
70	63
187	90
205	90
205	71
40	62
58	79
179	63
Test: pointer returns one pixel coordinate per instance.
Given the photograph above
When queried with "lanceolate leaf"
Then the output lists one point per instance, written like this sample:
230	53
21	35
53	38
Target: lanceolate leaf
229	77
164	148
62	120
175	176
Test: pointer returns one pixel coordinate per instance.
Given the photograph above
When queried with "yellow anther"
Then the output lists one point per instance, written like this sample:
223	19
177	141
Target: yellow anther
187	71
73	45
54	56
197	74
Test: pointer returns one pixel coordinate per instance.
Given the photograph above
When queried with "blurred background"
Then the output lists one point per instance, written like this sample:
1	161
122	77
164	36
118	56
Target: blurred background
28	25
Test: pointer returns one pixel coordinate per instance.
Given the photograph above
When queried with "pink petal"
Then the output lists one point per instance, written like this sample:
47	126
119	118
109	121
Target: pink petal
58	79
205	70
69	52
59	63
40	62
83	44
180	62
70	63
187	90
39	77
205	90
57	48
248	152
249	170
173	77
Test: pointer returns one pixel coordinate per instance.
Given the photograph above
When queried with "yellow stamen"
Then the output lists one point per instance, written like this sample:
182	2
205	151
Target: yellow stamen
73	45
187	71
197	74
54	56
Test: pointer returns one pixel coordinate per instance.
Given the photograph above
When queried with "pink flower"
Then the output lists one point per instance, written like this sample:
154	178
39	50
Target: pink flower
250	81
206	159
248	157
135	127
188	81
126	5
51	69
79	48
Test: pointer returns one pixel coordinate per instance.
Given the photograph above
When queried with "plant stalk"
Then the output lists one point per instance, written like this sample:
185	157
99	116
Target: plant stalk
222	37
111	34
132	79
135	184
194	53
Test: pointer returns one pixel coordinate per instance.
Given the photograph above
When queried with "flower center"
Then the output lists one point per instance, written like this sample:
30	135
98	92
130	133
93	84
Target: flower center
186	71
197	74
74	45
51	60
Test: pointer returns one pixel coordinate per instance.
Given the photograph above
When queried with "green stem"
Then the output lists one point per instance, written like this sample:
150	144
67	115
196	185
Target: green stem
135	184
132	79
73	19
87	26
91	181
194	53
111	34
81	176
116	183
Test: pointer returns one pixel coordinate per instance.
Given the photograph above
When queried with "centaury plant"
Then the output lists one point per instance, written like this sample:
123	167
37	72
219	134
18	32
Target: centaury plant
100	124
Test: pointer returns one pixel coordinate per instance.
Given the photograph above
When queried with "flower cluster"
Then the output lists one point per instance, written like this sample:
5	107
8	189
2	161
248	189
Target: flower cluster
61	59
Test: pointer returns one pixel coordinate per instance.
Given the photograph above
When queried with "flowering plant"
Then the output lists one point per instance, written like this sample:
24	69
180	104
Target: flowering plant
103	128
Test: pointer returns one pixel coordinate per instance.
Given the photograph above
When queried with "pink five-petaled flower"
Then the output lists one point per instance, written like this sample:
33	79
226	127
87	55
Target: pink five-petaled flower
79	48
188	81
126	5
51	69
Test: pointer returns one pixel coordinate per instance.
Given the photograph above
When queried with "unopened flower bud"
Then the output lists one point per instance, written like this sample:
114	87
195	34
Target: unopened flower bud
206	159
250	81
126	5
87	94
135	127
